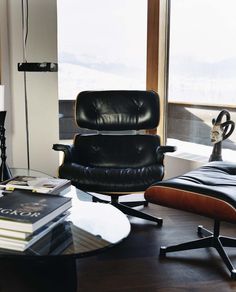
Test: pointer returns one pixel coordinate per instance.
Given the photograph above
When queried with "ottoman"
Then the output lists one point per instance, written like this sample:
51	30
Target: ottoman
209	191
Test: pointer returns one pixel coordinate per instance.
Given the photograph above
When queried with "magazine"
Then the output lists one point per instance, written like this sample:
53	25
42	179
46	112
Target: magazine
36	184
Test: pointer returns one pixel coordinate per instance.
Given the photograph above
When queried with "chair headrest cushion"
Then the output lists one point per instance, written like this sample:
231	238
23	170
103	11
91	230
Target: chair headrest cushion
117	110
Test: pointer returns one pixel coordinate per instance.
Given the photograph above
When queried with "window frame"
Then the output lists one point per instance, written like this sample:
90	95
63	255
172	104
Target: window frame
195	105
157	57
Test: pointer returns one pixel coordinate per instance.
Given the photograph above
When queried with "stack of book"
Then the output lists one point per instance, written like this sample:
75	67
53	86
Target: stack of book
26	217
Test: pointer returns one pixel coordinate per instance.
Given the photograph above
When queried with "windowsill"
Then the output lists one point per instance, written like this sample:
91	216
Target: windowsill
197	152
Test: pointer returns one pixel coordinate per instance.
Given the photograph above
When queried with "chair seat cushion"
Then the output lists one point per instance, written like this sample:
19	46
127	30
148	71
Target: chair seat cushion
209	190
99	179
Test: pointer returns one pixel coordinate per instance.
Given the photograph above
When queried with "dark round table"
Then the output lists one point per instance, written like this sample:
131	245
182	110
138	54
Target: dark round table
50	264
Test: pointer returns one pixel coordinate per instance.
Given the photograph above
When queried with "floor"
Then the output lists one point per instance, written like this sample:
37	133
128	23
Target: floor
134	265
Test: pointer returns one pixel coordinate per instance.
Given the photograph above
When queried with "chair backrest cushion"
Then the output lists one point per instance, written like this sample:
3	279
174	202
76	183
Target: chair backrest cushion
117	110
115	151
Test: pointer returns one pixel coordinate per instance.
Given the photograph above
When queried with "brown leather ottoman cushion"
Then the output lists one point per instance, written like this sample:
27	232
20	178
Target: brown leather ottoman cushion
209	190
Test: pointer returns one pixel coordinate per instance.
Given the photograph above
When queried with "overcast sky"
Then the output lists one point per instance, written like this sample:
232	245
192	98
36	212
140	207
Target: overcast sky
112	28
212	33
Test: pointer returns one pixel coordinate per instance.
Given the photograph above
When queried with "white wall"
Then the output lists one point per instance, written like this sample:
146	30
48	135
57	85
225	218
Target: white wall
41	87
5	74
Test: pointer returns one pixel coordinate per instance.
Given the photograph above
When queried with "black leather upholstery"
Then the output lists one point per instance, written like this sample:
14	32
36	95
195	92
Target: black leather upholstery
209	191
115	163
117	110
112	151
216	179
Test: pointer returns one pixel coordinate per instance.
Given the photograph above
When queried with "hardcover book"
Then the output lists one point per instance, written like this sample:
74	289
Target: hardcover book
26	211
14	234
36	184
18	244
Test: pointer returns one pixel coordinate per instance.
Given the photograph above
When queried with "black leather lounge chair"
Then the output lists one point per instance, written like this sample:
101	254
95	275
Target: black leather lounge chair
114	161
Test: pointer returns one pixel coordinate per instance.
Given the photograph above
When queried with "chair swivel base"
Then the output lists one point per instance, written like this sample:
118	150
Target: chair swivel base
126	208
129	204
132	212
210	239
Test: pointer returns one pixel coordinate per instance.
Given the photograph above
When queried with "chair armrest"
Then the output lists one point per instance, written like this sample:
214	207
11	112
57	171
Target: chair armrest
161	150
66	149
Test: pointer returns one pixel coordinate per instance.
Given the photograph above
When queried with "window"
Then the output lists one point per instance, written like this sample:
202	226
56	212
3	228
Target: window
102	45
202	68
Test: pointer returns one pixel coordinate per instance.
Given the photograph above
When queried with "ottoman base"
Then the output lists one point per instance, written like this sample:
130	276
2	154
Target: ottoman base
210	239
